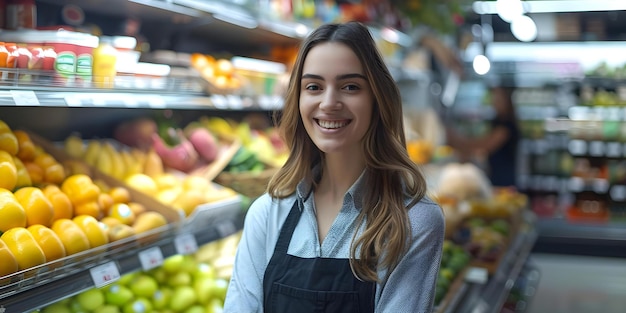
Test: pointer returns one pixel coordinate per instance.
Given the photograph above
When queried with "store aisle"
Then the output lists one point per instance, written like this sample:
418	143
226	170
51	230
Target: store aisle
579	284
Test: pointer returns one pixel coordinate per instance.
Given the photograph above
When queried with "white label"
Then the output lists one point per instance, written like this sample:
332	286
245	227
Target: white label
73	101
185	244
219	101
477	275
156	102
105	274
151	258
25	98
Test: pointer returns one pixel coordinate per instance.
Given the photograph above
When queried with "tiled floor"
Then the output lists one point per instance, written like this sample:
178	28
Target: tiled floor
579	284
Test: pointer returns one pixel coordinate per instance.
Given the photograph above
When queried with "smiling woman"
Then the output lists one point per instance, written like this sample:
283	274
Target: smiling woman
345	224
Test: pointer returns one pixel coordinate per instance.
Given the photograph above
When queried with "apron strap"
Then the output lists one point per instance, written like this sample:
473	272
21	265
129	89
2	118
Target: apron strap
286	231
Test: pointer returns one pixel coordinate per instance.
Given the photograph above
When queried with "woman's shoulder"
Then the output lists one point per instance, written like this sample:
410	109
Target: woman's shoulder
426	214
265	207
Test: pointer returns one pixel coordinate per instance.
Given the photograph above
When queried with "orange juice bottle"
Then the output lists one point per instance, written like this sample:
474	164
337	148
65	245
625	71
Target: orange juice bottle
104	60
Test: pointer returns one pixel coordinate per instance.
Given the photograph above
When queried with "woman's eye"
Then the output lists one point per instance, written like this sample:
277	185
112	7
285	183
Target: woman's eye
351	87
312	87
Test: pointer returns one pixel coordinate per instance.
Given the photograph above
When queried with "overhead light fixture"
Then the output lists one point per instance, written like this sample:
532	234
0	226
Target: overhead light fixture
524	28
508	10
481	64
167	6
555	6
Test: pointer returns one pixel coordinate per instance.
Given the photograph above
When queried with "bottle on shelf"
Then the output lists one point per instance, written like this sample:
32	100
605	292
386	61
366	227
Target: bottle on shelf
104	62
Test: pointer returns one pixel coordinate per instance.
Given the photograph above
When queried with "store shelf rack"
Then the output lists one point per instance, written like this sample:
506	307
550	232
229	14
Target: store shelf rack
39	288
489	296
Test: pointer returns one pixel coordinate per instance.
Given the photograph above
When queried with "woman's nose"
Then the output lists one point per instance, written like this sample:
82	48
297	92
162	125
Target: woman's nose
330	100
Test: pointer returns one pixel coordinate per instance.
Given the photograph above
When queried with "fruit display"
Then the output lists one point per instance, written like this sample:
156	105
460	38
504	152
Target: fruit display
55	212
142	168
183	283
453	260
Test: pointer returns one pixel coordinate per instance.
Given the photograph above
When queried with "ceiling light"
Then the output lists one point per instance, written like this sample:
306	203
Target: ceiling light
524	28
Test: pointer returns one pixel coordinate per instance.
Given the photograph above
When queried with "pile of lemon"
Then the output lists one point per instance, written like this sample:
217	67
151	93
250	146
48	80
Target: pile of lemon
46	215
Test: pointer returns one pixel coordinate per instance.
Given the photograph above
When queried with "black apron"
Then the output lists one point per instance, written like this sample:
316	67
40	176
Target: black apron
300	285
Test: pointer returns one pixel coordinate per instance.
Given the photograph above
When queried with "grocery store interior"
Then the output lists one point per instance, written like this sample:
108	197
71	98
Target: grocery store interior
134	135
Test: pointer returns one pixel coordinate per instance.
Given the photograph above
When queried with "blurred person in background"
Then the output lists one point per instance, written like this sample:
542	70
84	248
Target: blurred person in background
498	145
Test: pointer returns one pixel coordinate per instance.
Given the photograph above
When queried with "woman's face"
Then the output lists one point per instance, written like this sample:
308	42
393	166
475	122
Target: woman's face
336	100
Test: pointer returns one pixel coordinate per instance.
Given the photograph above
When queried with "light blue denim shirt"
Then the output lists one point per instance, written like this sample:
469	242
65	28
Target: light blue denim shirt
409	288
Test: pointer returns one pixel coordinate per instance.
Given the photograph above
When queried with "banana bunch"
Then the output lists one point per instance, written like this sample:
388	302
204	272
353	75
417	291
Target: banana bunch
106	157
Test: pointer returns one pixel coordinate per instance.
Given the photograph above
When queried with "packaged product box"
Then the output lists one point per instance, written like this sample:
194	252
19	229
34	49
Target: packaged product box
74	52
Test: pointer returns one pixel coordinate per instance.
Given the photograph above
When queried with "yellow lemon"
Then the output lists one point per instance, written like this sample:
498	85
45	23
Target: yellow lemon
26	250
96	235
73	237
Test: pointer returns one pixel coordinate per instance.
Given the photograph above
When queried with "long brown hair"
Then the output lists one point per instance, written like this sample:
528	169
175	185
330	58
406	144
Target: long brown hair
390	174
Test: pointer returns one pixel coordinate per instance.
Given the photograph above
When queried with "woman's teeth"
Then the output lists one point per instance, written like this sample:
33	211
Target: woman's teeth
332	124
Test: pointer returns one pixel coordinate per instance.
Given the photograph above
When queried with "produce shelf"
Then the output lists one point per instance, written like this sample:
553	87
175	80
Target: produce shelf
209	222
478	297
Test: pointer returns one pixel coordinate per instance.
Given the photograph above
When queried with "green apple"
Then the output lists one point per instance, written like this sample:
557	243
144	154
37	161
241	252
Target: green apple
179	279
173	264
182	298
107	308
195	309
139	305
75	306
118	295
126	279
57	308
144	286
215	306
159	274
90	299
204	270
161	298
219	288
204	289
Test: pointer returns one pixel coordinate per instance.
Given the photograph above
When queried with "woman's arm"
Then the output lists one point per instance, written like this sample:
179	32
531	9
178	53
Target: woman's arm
411	286
245	291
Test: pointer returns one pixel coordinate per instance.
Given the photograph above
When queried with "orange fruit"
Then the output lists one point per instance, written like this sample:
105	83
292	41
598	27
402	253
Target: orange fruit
110	221
8	171
91	208
35	172
61	204
9	264
37	207
121	231
26	149
23	179
91	227
80	189
72	236
49	242
120	194
54	173
44	160
12	213
123	213
8	142
137	208
105	201
26	250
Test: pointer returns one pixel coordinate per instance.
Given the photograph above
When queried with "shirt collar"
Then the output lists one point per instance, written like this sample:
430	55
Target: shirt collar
355	192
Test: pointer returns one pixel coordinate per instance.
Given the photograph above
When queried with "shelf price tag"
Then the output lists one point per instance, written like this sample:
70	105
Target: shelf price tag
226	228
24	98
477	275
151	258
104	274
185	244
